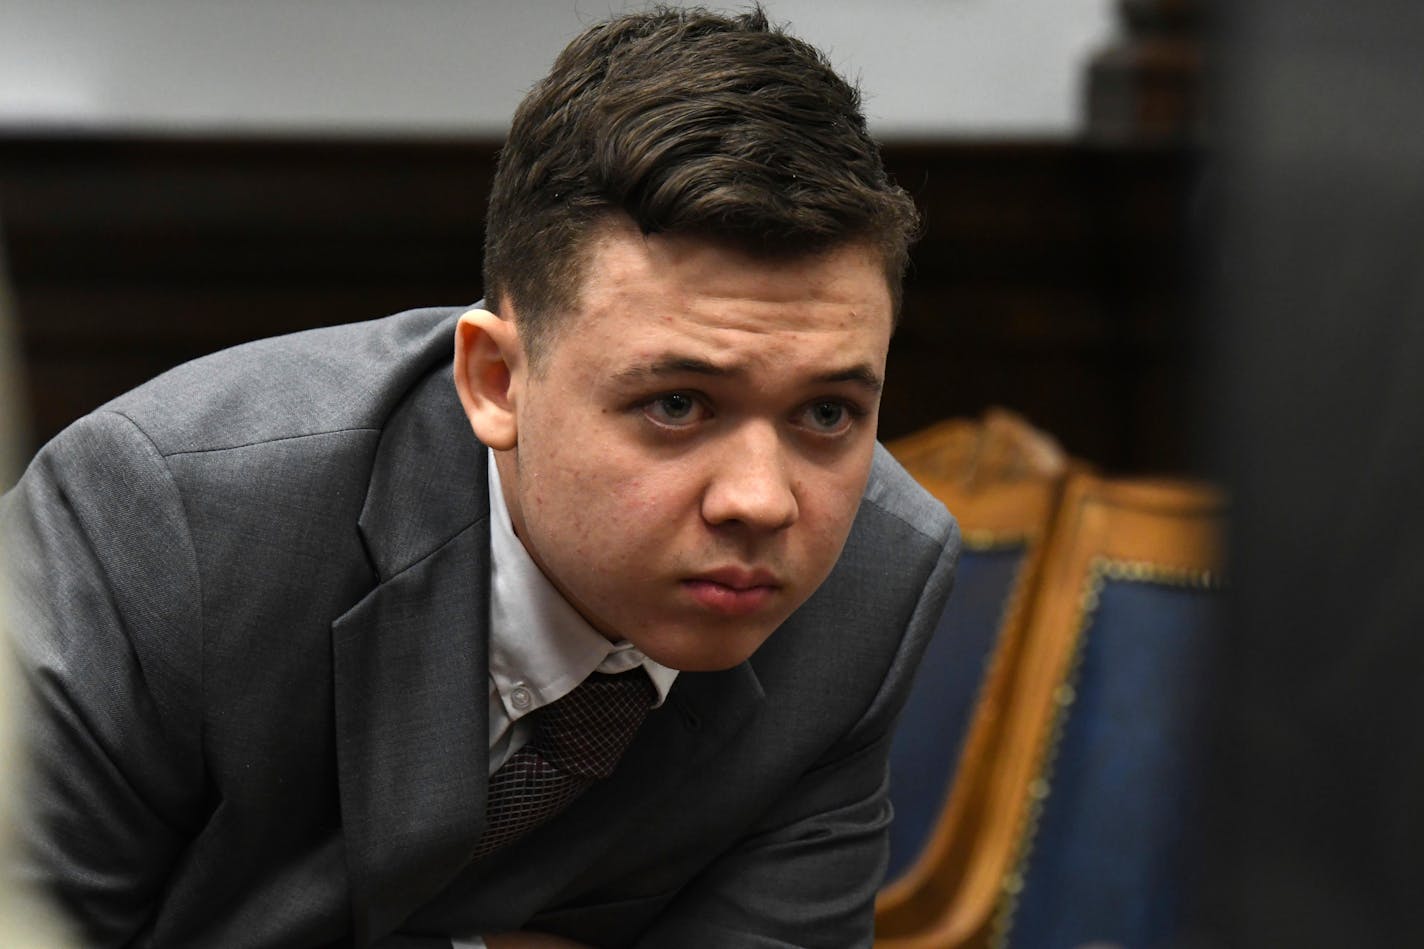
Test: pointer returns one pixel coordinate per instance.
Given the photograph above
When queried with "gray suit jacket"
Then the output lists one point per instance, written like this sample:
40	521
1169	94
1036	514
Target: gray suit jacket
252	603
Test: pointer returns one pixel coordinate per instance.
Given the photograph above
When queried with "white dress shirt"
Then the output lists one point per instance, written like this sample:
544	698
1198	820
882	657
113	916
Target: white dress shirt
540	647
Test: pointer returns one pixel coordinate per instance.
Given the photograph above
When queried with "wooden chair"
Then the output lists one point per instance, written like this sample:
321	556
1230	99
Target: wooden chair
1001	478
1070	820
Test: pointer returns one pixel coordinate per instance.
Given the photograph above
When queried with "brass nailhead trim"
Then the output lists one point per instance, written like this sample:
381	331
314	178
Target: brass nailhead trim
1100	570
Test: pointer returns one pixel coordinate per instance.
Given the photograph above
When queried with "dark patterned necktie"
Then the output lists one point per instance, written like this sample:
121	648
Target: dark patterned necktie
576	741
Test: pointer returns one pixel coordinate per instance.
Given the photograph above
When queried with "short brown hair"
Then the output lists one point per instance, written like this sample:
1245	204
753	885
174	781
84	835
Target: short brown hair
690	122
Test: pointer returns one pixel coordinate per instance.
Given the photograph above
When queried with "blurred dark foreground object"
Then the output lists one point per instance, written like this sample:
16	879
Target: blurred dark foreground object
1318	291
24	920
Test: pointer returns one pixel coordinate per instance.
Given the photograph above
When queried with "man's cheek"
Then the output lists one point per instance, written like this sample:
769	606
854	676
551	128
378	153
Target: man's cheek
633	500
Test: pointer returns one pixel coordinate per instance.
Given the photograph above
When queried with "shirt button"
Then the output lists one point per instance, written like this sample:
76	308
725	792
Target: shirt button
520	698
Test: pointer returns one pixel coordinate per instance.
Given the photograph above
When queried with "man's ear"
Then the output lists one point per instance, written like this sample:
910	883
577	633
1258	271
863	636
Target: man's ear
489	362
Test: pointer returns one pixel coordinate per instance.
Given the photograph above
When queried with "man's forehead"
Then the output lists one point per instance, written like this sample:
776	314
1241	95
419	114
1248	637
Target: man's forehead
652	304
616	250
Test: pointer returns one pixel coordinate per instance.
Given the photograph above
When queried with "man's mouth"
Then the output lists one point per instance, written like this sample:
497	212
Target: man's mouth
733	591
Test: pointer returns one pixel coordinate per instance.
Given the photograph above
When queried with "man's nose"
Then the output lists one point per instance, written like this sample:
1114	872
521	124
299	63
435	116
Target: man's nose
752	482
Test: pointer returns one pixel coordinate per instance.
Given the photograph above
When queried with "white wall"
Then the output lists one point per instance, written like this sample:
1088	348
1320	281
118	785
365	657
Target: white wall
458	67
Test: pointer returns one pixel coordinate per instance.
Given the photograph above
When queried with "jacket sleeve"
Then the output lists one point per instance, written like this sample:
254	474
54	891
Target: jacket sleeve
807	874
104	618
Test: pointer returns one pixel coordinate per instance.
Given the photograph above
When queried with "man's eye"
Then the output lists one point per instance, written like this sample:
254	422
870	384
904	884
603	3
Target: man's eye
676	409
828	417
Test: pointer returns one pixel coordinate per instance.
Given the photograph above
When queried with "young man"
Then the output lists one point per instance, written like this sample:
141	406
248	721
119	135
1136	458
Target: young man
302	644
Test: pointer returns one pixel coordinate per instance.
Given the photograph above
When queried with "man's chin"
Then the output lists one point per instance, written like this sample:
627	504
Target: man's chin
705	650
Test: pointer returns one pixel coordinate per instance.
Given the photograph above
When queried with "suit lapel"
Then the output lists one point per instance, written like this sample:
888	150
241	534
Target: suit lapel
410	665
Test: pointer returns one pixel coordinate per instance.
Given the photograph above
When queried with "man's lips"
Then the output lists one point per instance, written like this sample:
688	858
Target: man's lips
733	591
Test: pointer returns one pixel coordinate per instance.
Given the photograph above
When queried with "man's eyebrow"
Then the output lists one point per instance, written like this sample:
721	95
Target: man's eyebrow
672	366
862	374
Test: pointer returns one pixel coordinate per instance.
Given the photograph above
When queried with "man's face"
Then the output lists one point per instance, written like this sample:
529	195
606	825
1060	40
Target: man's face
692	447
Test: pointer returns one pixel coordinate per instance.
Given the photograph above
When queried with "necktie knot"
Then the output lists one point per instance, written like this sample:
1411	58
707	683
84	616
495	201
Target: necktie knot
576	741
586	732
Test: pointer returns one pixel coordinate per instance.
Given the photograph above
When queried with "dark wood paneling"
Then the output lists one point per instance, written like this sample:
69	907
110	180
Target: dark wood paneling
1049	278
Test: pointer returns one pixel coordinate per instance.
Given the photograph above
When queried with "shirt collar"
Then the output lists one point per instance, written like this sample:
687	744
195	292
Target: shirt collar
540	646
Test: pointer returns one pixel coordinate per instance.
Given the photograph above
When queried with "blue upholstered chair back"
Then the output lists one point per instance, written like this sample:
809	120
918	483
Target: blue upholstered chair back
936	718
1073	809
1114	812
